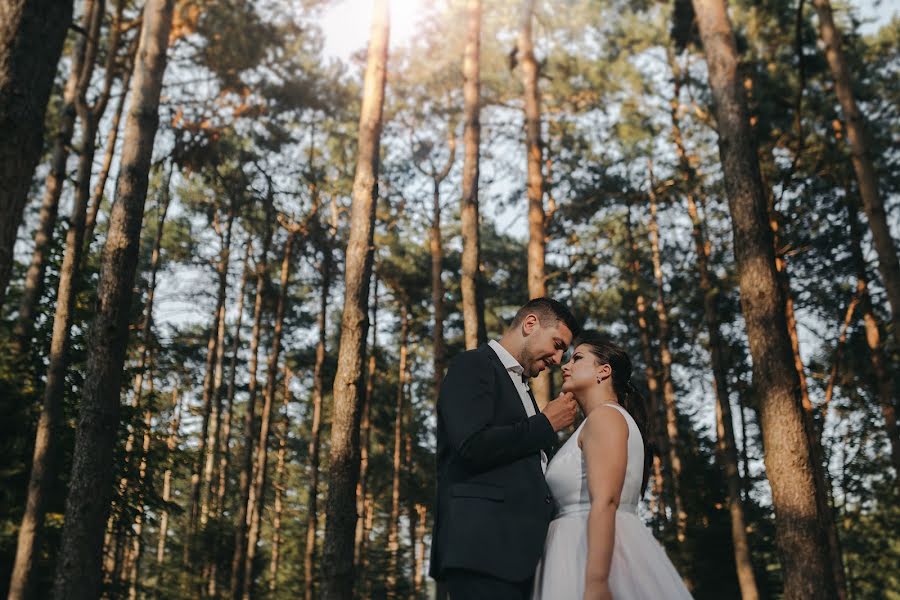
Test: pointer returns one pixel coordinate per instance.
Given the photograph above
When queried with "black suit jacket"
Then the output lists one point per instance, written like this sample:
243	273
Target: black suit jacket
493	505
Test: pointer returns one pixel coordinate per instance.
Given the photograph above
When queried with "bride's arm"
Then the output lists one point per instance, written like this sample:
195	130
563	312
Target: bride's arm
604	442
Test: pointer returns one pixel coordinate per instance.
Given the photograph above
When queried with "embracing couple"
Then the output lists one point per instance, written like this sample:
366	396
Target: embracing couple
508	523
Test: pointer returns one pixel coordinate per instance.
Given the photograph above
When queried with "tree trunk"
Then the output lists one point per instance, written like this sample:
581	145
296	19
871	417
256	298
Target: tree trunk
78	570
419	573
43	464
668	387
860	156
116	572
197	499
340	505
110	148
257	491
361	537
436	246
209	447
537	287
662	484
312	510
709	286
884	385
788	457
221	486
279	481
240	526
137	547
76	87
171	444
394	518
473	303
812	428
32	33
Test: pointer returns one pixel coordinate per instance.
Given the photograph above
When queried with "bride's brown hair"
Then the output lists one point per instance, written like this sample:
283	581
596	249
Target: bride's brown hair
608	353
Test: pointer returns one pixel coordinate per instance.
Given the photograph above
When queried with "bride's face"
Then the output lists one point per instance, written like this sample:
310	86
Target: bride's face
581	372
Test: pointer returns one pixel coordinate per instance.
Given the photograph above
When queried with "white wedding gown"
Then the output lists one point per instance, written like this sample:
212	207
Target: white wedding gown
640	569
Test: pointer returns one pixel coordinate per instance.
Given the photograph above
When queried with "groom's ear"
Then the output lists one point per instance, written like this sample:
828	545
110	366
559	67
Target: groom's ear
529	323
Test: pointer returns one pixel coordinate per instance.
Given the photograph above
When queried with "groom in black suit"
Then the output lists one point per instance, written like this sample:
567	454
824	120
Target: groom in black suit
493	506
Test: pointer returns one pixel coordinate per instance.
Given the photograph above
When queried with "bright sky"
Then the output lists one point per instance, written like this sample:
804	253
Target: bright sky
346	23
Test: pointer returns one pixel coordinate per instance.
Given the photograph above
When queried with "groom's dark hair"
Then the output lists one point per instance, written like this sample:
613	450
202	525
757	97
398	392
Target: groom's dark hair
549	312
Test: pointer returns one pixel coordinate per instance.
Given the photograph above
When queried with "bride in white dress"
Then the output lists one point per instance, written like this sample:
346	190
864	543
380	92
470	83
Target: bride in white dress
597	547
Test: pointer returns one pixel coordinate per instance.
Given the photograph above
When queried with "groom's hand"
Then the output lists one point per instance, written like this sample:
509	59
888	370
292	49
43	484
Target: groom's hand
561	411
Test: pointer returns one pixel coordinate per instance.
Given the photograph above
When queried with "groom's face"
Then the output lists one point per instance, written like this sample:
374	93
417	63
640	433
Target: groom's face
544	344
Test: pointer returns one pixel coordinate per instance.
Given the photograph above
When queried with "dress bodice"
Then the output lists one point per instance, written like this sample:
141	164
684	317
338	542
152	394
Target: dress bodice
567	475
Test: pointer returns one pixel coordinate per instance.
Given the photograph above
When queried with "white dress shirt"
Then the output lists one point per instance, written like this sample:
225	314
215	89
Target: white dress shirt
515	371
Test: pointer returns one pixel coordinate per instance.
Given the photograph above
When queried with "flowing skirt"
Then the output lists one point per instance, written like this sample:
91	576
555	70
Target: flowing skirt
640	569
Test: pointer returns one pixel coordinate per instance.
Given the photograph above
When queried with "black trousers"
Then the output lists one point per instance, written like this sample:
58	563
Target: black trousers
471	585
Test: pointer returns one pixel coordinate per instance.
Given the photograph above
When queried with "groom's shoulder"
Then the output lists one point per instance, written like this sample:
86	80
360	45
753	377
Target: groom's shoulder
477	357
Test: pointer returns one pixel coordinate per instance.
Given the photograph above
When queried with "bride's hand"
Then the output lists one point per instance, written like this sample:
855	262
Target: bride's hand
598	591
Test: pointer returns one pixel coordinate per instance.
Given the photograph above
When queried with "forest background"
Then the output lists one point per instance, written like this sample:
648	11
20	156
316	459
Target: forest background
209	368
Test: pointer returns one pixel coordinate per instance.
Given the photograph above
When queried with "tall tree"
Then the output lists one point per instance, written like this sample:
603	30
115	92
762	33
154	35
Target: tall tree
43	466
537	285
257	490
246	473
32	33
884	385
661	476
279	484
803	549
473	302
365	429
396	463
87	504
315	429
665	361
861	157
709	288
76	86
340	504
436	247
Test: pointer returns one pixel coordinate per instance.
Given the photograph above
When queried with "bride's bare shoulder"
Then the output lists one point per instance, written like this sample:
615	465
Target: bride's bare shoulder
604	423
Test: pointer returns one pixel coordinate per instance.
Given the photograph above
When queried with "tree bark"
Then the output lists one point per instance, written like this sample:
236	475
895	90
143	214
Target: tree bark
257	491
78	570
312	510
473	302
240	534
44	467
419	572
396	464
788	457
361	537
110	148
668	387
209	447
198	499
860	156
224	459
279	482
75	88
32	33
340	505
709	286
436	247
662	483
884	385
171	444
537	286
